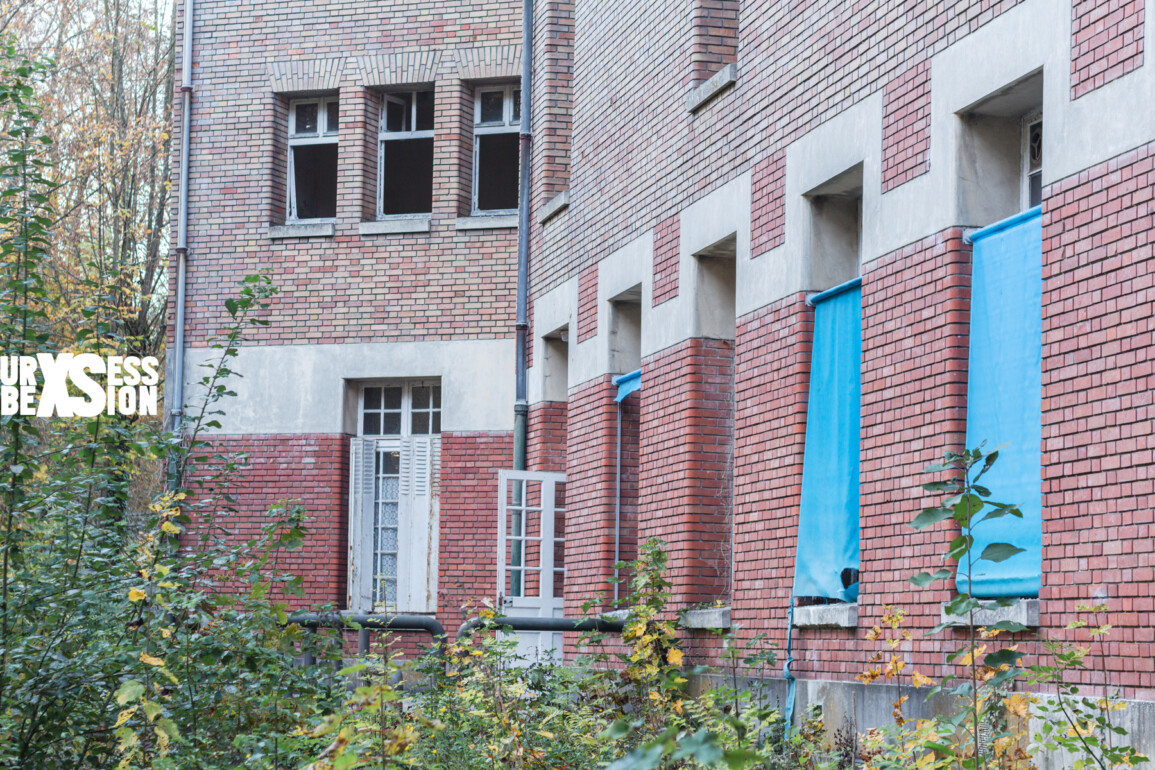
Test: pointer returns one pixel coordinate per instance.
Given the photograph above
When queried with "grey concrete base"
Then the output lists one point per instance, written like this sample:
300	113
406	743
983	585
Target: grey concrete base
395	225
854	707
1024	611
826	616
707	618
482	222
553	207
315	230
721	80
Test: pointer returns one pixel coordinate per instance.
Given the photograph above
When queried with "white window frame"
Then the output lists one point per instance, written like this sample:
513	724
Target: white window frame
418	508
384	135
1029	120
510	124
325	134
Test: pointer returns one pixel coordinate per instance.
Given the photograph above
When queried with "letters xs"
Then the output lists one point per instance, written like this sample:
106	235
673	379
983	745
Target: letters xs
128	385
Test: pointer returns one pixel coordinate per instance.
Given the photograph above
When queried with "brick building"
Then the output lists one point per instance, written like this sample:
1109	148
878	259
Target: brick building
836	240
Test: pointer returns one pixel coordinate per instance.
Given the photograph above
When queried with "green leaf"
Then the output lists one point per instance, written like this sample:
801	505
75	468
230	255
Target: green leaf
1010	626
129	691
959	547
738	759
930	516
923	579
152	709
1005	655
997	552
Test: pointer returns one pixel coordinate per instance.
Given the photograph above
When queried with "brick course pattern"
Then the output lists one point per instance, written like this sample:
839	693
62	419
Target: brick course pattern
636	167
1106	42
666	236
546	437
906	127
1098	419
444	284
715	37
768	208
687	434
587	310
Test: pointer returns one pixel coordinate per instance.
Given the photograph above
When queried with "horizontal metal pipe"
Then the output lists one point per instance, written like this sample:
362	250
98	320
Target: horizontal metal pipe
544	624
374	621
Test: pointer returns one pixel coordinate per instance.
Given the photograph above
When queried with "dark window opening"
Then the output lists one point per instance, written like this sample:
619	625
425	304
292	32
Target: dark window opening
497	171
315	180
407	176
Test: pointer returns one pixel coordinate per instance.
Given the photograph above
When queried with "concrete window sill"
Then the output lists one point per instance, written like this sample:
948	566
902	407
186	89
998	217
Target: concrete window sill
1024	612
395	225
622	615
555	206
826	616
710	617
701	94
305	230
484	222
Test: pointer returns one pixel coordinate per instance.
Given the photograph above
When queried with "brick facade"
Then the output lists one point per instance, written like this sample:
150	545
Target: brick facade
1106	42
906	126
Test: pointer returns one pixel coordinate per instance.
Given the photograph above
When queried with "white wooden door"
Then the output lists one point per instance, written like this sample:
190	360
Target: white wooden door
531	554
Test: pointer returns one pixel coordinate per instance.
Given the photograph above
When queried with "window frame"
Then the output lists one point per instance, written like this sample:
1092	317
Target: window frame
406	406
324	135
1028	121
385	135
510	124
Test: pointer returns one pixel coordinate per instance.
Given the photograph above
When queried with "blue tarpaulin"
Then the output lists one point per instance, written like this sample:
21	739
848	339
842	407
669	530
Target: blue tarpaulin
1004	397
627	384
828	517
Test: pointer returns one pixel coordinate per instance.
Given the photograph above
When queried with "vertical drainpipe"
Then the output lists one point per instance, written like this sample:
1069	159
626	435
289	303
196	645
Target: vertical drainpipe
175	396
521	405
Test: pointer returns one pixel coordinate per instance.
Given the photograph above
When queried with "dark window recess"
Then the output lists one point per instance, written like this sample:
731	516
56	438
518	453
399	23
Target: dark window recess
407	176
315	180
424	110
497	171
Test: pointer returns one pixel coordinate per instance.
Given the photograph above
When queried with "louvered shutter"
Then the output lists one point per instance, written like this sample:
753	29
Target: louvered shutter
362	478
418	532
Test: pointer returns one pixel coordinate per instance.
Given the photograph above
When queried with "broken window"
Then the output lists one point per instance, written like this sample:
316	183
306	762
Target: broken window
405	182
395	463
496	115
312	182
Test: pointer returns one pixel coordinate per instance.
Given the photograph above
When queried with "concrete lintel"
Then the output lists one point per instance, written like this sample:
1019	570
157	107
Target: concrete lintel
486	222
1024	611
720	81
316	230
708	617
395	225
553	207
826	616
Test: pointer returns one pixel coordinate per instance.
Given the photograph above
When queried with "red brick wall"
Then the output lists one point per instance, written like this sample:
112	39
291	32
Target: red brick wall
1098	463
666	236
768	207
312	470
906	126
687	433
467	564
1106	42
553	95
546	437
590	493
715	37
587	310
772	373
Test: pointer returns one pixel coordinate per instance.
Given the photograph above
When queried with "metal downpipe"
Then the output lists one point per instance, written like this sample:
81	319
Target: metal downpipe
521	405
175	397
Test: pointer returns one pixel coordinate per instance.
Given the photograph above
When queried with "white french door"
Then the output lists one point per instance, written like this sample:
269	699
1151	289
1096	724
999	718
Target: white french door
531	554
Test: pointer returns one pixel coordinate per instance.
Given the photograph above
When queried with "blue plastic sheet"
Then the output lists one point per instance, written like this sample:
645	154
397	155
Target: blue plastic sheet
1004	397
828	517
627	384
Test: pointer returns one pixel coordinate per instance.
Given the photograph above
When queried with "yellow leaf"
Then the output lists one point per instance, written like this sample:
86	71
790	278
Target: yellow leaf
124	716
150	660
136	595
170	528
873	634
919	680
674	657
